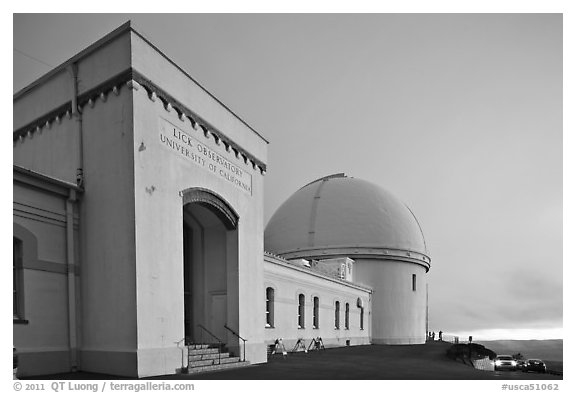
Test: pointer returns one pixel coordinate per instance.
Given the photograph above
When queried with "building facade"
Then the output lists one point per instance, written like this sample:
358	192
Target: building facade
138	228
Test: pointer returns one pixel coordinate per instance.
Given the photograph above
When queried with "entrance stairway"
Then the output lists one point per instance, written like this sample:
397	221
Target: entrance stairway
211	357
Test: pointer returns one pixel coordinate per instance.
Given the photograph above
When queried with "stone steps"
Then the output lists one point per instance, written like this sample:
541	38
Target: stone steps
205	358
203	351
231	362
193	358
214	361
198	346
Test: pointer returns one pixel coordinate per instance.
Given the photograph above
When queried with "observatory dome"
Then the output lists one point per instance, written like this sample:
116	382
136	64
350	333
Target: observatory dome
335	213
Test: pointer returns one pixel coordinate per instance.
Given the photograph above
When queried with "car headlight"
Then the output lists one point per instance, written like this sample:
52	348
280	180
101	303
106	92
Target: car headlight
498	362
514	362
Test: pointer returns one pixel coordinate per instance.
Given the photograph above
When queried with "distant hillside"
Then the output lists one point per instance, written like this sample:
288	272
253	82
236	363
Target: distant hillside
541	349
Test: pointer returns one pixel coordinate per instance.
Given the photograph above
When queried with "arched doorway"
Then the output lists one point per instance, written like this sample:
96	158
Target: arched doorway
210	266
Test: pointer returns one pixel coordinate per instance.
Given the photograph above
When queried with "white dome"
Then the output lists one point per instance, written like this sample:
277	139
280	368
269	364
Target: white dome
338	213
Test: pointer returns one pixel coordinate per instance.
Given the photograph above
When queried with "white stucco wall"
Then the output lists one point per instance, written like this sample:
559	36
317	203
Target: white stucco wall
53	151
288	282
41	336
161	175
109	335
398	312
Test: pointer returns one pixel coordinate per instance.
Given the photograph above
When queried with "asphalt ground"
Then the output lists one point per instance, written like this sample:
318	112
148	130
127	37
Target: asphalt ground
368	362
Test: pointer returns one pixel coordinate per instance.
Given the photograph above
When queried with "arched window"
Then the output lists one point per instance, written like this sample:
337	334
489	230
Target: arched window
17	282
269	307
316	317
347	317
301	311
337	315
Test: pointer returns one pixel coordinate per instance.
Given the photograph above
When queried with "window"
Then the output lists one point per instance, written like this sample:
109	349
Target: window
361	318
17	287
315	319
337	315
414	282
347	317
301	311
269	307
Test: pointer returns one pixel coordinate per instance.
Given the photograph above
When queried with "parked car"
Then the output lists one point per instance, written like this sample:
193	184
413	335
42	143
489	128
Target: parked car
504	362
520	364
534	365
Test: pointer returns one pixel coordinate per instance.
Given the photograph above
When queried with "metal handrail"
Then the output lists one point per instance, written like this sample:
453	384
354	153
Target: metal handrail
212	334
241	338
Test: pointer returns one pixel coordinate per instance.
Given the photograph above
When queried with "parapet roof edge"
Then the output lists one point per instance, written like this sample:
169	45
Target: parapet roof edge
91	48
273	258
45	178
128	26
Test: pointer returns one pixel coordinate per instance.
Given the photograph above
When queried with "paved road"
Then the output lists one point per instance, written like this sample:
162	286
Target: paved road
370	362
373	362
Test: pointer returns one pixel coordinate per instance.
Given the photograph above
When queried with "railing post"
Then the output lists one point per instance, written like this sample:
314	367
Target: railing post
241	338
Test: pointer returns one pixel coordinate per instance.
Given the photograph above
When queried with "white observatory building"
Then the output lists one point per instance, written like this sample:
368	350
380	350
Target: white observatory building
343	217
139	233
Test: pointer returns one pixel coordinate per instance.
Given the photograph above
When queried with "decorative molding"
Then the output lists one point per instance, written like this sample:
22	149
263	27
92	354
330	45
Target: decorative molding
274	259
132	84
134	80
51	267
65	110
356	252
43	182
197	122
214	202
18	321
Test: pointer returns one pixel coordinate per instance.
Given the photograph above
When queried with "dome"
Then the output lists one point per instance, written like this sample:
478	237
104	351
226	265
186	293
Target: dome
341	215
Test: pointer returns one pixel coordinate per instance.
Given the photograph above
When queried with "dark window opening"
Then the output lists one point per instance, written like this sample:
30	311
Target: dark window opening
269	307
316	316
301	311
17	282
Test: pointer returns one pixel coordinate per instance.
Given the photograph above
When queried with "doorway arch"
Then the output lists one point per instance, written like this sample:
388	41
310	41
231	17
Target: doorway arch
210	265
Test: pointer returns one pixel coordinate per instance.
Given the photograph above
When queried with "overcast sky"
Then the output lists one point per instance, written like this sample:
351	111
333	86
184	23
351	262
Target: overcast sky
460	116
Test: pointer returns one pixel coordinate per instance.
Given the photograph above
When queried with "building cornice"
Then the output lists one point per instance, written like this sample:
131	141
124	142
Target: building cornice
74	59
195	82
126	27
39	180
362	252
196	121
278	260
134	80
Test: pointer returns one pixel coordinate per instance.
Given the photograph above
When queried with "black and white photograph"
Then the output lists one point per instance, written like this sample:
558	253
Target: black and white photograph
288	196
